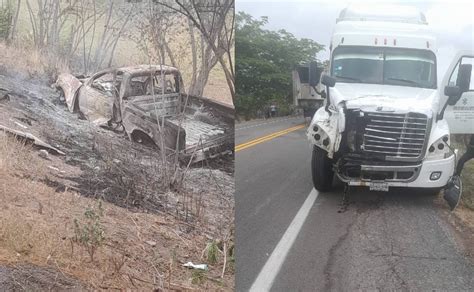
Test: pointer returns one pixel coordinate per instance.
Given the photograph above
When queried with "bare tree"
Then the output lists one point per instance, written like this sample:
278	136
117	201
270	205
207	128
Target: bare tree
163	28
14	22
215	21
49	19
112	33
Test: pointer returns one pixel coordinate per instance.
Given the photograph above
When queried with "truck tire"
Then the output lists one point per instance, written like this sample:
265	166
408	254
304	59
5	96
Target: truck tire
142	138
321	170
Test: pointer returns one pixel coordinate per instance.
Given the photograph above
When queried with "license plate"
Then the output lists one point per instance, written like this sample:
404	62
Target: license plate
379	186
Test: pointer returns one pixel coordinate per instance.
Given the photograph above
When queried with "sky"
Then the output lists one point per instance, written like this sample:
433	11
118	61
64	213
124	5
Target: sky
452	21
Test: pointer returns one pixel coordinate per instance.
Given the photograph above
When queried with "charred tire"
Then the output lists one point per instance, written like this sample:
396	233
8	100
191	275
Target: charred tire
321	170
142	138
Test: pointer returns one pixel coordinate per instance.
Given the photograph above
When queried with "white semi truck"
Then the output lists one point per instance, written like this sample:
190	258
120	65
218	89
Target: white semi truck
383	123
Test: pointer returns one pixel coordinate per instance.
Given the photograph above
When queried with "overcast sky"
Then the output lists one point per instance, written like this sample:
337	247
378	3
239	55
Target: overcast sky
453	21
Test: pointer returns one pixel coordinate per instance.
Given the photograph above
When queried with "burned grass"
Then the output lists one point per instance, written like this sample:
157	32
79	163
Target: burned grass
30	277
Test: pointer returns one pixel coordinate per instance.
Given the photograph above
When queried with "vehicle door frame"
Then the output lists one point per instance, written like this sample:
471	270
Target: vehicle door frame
454	113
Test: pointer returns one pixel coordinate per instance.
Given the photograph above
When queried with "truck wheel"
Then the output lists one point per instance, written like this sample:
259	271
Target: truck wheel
142	138
321	170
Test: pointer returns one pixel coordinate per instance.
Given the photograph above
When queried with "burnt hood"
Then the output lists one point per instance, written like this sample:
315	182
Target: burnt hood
385	98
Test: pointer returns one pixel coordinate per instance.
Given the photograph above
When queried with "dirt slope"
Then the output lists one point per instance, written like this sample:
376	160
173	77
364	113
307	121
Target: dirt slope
150	229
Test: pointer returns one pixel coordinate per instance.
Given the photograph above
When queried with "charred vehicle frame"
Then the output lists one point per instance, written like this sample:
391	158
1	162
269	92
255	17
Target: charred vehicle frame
148	102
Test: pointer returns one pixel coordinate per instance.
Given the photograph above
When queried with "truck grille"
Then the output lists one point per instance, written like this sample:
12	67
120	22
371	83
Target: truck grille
396	136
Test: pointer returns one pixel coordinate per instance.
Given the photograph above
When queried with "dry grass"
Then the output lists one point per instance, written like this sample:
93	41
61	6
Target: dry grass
126	54
29	62
217	87
468	185
36	226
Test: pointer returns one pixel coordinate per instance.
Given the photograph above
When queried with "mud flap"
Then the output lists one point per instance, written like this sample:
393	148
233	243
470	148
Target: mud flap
453	191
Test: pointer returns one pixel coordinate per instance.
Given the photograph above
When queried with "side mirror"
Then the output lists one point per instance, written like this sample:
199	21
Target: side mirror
464	77
328	80
453	93
314	73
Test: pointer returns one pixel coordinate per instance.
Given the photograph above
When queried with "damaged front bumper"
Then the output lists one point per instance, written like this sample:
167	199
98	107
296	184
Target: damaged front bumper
388	149
427	174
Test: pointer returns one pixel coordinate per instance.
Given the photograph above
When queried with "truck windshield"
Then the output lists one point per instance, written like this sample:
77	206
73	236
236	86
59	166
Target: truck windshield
405	67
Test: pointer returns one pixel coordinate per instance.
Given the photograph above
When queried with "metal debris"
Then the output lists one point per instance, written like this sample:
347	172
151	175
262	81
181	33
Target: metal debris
453	192
197	267
32	139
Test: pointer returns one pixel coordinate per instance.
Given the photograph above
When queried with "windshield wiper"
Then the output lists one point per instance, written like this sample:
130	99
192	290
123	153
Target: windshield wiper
406	81
349	78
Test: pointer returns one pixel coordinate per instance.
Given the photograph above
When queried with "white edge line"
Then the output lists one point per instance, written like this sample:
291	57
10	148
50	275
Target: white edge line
270	270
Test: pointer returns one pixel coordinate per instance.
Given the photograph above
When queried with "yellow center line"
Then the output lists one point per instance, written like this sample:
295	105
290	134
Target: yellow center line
267	138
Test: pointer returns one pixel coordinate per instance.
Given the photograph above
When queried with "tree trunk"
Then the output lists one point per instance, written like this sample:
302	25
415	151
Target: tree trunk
99	51
13	26
194	55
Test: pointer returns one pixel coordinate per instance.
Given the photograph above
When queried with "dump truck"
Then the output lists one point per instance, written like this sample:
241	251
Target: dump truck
149	103
383	122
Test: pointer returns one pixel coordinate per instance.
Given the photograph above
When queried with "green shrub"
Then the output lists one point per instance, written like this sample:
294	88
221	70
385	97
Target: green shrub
89	232
212	251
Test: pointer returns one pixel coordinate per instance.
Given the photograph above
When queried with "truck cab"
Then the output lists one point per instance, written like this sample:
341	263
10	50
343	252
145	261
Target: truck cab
383	123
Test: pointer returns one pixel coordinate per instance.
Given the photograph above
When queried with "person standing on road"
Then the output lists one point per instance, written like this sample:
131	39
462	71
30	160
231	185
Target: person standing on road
273	110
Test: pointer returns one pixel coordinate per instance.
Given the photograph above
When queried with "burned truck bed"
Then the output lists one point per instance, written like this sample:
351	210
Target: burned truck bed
208	126
198	132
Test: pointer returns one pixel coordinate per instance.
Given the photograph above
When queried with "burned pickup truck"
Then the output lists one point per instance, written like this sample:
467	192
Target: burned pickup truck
148	102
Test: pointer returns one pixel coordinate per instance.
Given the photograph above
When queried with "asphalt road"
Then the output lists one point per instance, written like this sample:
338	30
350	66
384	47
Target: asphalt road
380	241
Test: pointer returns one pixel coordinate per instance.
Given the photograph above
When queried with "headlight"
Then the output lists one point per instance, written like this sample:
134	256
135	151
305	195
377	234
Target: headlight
440	148
318	136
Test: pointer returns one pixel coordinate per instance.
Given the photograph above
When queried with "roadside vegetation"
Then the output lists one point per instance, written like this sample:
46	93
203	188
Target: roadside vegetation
462	218
265	61
467	175
468	185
